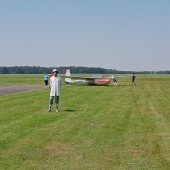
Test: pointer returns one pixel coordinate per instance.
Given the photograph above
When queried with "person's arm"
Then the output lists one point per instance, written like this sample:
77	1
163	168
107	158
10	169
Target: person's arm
50	75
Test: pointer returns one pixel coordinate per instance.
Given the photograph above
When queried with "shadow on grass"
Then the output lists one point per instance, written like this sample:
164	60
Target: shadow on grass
71	110
128	85
123	85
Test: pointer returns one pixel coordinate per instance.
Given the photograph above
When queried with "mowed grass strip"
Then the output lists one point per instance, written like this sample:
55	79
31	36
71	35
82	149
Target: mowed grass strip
97	127
21	79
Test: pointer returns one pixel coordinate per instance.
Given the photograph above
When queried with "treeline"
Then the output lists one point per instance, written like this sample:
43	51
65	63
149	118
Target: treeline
74	70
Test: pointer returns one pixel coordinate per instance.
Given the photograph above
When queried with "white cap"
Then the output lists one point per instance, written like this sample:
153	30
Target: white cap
55	70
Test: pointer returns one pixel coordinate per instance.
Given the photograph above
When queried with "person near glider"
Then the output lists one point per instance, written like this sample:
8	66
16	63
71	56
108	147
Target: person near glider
55	85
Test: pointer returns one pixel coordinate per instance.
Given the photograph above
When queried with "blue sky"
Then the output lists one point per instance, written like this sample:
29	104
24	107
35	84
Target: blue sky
120	34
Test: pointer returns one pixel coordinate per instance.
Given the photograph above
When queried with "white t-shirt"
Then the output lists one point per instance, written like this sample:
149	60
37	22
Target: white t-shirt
55	83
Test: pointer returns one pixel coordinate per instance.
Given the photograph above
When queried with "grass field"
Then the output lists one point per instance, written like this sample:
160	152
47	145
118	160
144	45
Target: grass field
98	128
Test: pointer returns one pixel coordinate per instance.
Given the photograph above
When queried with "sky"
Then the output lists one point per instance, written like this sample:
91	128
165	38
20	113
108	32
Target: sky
116	34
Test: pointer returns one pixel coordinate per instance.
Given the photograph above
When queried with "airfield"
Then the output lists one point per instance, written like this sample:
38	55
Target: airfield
98	127
12	89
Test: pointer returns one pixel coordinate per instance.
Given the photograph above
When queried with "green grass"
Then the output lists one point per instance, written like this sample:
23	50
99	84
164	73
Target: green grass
97	127
21	79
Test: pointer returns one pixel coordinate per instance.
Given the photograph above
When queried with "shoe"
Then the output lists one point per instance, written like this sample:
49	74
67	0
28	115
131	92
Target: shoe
56	110
49	109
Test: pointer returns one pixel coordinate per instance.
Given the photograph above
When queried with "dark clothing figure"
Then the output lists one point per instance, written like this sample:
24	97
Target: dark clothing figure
133	79
46	82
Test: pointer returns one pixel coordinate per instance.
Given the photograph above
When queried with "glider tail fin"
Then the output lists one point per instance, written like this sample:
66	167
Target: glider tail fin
67	80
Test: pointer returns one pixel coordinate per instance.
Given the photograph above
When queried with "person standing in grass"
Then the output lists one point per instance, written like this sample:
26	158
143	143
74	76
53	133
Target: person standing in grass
133	79
55	85
114	80
46	80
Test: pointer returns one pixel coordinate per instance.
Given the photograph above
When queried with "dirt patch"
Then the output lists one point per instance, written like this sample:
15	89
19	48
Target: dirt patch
11	89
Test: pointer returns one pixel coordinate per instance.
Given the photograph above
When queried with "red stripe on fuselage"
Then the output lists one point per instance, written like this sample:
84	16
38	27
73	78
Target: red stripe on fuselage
102	82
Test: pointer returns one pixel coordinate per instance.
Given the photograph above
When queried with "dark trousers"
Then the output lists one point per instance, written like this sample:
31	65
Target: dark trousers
56	100
46	82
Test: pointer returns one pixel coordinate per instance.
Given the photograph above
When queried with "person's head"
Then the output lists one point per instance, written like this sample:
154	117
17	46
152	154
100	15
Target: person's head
55	72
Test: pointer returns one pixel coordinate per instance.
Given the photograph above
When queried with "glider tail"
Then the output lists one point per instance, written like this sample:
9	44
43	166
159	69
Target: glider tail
67	80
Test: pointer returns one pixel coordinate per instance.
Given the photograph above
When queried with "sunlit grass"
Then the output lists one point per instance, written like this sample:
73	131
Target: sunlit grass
125	127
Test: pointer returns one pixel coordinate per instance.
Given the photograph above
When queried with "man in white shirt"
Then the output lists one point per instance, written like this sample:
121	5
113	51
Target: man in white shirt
55	85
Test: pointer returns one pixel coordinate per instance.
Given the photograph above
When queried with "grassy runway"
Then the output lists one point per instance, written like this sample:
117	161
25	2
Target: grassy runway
112	128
